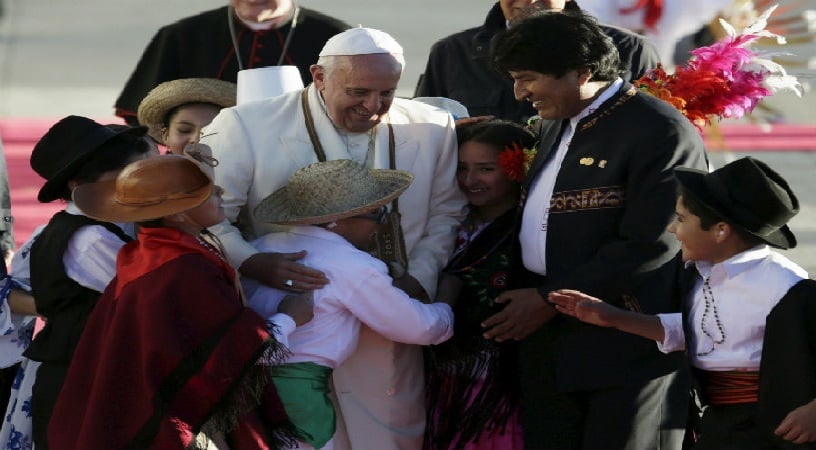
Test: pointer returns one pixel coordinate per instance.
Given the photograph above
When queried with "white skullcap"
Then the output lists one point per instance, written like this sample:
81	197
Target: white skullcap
361	41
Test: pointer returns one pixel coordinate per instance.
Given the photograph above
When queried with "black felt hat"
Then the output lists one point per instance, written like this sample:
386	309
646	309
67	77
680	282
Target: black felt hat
66	146
748	195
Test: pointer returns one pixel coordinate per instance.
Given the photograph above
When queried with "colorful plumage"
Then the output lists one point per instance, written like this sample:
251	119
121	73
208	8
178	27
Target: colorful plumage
724	80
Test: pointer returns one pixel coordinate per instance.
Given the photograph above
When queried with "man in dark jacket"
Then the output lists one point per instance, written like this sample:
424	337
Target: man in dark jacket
220	42
599	197
459	67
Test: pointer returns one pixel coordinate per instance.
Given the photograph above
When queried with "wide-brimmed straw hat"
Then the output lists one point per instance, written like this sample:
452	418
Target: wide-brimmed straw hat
160	100
66	146
748	195
146	189
327	191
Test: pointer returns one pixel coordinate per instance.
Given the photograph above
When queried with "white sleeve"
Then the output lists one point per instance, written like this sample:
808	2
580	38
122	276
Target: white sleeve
674	337
90	258
281	326
230	144
431	252
391	313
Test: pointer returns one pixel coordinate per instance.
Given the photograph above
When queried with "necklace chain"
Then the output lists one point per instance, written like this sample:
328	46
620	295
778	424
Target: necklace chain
212	249
710	305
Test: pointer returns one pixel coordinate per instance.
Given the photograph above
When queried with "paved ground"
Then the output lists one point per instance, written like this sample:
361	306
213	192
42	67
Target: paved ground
72	57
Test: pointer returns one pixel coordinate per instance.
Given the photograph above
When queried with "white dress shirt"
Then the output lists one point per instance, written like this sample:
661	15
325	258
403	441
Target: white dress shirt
744	288
90	258
533	234
360	291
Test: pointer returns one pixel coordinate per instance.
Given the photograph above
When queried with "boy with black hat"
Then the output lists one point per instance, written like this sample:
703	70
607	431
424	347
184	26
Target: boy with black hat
747	322
73	258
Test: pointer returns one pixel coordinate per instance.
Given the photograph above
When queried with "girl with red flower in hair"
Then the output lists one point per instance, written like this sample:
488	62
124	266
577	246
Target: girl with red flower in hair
472	397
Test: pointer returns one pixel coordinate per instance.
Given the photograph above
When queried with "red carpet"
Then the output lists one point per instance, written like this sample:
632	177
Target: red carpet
19	137
20	134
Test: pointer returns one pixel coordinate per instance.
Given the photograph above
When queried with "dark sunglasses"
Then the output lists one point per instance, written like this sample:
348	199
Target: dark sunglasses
378	216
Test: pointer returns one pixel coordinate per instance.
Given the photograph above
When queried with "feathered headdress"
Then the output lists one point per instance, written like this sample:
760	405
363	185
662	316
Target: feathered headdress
725	79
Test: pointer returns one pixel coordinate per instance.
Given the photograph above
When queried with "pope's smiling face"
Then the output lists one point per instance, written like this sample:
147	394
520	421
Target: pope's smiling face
358	90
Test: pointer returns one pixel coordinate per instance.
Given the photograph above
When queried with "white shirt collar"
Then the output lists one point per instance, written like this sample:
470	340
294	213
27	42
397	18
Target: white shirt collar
128	228
608	93
736	264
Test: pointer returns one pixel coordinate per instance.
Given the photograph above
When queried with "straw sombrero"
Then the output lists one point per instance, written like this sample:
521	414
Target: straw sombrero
146	189
171	94
330	190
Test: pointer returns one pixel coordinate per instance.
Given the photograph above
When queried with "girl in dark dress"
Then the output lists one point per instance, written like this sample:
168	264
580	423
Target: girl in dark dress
472	400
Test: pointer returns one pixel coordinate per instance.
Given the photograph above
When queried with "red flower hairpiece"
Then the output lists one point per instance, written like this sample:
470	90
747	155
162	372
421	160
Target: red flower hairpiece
515	161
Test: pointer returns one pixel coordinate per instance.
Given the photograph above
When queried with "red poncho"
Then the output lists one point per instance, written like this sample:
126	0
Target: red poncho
168	348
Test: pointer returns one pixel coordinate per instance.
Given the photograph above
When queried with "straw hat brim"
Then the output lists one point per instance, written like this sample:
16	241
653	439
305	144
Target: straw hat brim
98	201
276	208
694	182
160	100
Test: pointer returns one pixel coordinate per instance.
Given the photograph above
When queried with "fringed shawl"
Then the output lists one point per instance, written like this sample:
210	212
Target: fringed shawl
170	350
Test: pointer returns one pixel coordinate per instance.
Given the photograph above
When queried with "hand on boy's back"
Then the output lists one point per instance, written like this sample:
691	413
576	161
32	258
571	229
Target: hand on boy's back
283	271
300	307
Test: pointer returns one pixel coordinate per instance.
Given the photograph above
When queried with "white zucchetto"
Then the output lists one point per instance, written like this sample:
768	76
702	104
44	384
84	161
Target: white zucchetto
361	41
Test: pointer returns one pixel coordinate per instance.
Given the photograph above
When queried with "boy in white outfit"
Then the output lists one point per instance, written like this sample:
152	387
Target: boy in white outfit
336	207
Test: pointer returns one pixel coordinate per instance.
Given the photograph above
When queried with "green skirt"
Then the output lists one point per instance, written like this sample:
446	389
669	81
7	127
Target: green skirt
304	390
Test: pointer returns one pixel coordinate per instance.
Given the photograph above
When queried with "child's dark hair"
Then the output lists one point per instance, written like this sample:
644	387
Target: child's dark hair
499	133
112	155
174	110
709	218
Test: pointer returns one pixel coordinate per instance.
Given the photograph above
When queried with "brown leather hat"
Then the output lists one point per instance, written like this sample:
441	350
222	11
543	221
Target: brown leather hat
146	189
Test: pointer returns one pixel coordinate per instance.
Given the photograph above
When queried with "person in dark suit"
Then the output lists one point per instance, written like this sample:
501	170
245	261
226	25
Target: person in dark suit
598	199
459	67
220	42
748	323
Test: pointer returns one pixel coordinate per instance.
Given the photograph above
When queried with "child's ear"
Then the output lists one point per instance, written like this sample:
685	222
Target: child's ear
723	231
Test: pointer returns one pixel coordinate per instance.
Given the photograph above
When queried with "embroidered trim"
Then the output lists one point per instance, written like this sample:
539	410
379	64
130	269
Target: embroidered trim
628	95
585	199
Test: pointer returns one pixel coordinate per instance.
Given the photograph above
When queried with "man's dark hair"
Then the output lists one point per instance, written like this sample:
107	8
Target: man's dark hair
709	217
554	43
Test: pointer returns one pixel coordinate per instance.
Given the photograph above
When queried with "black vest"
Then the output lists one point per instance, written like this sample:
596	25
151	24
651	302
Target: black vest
64	303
